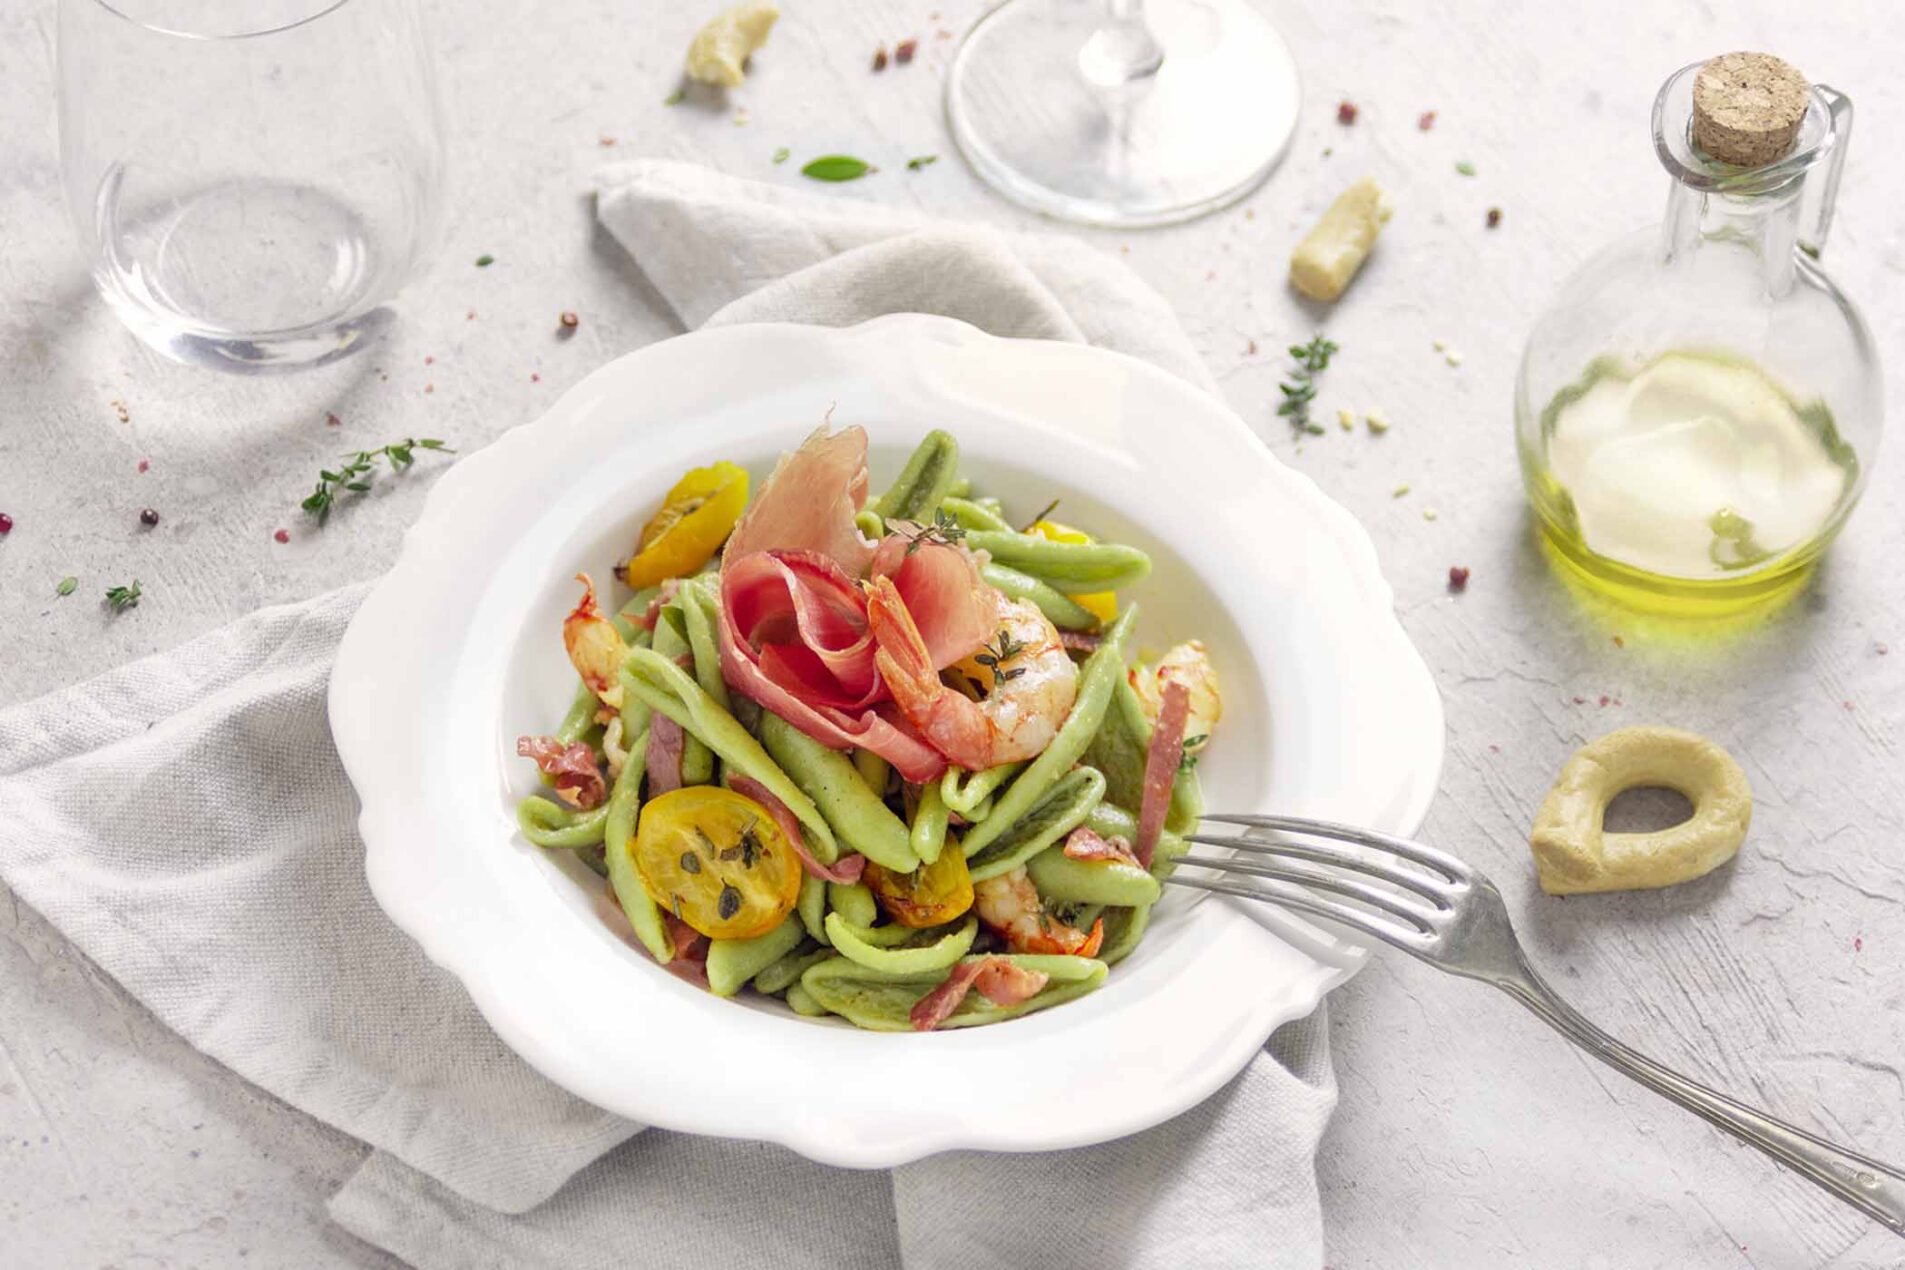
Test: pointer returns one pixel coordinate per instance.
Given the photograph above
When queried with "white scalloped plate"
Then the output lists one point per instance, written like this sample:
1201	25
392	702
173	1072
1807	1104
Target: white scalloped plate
1329	711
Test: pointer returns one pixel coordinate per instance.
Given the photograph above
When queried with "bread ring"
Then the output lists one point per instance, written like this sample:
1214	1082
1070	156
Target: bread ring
1574	854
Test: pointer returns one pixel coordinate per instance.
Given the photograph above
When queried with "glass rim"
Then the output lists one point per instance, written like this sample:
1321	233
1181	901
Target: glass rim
112	7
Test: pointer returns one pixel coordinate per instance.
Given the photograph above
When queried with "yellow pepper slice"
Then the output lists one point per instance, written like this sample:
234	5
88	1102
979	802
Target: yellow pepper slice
695	519
1102	605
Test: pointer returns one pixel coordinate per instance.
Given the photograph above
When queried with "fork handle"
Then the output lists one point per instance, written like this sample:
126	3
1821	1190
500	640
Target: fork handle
1873	1188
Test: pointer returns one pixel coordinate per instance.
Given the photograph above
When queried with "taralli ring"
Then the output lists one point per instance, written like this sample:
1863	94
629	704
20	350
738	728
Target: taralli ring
1574	854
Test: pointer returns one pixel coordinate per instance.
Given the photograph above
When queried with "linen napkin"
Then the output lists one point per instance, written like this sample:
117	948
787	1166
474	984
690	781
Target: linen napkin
185	821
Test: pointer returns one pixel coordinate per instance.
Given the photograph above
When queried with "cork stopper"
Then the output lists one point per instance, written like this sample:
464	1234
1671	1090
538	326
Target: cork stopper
1747	108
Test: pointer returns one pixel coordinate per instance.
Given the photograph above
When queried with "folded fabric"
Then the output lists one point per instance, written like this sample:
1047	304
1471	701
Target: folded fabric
185	821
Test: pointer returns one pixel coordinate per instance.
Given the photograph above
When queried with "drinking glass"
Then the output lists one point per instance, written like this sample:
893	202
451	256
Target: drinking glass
252	182
1121	112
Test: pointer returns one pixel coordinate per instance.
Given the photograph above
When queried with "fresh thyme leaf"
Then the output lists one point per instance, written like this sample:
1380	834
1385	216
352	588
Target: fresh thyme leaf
1465	168
915	164
67	586
354	476
1299	390
1045	511
1187	761
837	167
485	260
729	901
675	98
945	531
781	155
121	598
993	656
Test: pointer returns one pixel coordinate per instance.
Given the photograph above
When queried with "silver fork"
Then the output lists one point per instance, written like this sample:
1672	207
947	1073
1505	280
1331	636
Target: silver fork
1451	916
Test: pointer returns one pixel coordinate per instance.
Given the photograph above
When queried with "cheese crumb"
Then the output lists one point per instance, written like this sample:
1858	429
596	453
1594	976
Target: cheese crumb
1428	513
1400	490
1378	422
1347	418
1452	357
719	52
1441	345
1327	259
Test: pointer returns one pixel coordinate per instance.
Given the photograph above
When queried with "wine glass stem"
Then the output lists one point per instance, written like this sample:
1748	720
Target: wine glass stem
1122	50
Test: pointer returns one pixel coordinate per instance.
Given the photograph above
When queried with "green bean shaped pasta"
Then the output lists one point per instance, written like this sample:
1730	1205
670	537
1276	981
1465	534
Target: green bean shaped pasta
868	522
801	1002
938	955
732	962
858	817
1071	567
702	611
1059	877
671	641
926	479
1062	810
964	792
873	770
1109	820
618	845
1124	928
1102	672
668	688
580	716
778	977
885	1004
928	832
960	488
548	823
1120	750
1062	610
970	515
854	902
811	905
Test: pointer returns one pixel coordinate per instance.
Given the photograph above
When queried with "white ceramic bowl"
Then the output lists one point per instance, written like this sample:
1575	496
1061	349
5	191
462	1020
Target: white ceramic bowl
1329	711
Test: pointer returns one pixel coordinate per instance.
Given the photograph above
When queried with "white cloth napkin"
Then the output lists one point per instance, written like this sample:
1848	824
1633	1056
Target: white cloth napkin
185	821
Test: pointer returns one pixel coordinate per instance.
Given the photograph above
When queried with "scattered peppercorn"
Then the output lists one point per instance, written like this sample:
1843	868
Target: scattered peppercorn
145	465
1494	217
1346	113
283	535
569	320
331	420
6	523
879	58
149	517
1426	121
904	50
1458	578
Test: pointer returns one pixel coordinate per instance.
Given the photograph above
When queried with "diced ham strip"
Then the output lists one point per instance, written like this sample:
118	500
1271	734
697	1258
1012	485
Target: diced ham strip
1000	981
573	766
690	961
1160	768
1080	641
665	743
809	502
1083	844
846	869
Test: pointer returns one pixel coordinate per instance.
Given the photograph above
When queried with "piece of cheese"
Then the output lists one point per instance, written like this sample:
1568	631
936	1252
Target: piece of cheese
1327	259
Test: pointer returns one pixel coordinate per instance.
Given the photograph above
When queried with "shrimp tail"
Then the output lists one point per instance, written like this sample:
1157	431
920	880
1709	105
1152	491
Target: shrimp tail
902	658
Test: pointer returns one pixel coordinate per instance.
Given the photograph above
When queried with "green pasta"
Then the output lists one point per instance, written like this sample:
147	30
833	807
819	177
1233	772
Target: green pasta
884	1004
1102	671
787	971
802	1002
926	479
873	770
1064	612
811	906
965	792
938	955
548	823
666	687
671	641
619	848
853	902
928	833
580	716
1059	877
1071	567
858	817
1062	810
971	515
732	962
702	610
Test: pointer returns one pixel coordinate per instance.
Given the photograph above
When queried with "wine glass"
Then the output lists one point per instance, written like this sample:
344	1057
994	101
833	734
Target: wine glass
251	183
1123	113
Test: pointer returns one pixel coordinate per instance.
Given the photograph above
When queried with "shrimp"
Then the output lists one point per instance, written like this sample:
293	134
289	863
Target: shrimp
1188	664
1033	682
595	647
1010	904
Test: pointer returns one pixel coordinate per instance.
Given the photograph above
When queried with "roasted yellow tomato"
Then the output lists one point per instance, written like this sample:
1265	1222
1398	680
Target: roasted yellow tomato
694	520
1102	605
929	895
717	861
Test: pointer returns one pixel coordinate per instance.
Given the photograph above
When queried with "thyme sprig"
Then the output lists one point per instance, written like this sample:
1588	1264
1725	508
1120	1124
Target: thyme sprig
121	598
354	476
1299	390
994	656
944	531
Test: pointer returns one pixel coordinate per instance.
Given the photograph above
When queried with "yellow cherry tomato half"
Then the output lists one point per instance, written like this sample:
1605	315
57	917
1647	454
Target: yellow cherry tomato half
717	861
930	895
1102	605
694	520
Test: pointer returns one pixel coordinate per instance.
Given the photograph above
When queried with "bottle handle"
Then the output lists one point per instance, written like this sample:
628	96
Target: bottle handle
1812	236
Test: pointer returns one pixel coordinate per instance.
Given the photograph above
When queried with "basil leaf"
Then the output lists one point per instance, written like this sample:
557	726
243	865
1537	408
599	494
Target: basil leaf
837	167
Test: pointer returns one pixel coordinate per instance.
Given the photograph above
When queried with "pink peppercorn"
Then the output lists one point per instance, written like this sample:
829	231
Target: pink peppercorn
6	523
282	536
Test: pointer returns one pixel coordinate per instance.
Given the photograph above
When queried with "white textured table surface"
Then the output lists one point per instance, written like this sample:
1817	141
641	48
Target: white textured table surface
1466	1135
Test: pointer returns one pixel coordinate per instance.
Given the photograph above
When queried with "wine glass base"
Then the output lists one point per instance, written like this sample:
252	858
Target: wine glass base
272	353
1200	133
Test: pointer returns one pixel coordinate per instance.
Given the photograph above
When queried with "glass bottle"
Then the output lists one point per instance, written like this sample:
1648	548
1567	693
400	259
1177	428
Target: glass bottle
1697	410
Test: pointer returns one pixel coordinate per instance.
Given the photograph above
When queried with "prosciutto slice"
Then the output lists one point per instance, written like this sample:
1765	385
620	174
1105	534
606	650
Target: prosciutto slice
844	870
809	502
955	611
1160	768
1084	844
577	778
998	980
665	743
690	961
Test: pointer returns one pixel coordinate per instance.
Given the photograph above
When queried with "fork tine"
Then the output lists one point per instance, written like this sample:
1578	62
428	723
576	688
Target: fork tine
1441	861
1323	879
1295	897
1437	889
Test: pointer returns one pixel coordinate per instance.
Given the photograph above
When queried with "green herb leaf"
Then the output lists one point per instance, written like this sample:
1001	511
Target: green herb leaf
780	155
837	167
1465	168
354	476
67	586
922	161
121	598
675	98
485	260
1299	390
